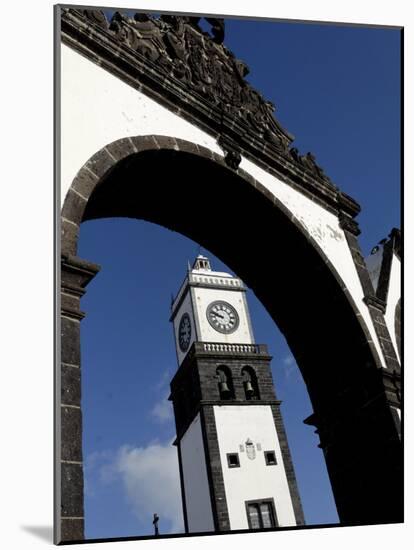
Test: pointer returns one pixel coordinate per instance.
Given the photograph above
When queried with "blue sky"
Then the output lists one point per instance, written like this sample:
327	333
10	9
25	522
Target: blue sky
336	89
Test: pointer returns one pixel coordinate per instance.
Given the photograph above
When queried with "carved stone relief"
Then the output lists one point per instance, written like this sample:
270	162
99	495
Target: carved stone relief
201	62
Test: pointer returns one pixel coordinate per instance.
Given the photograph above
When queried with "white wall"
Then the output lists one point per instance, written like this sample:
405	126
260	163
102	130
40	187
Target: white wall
254	479
98	108
197	492
324	228
196	301
203	298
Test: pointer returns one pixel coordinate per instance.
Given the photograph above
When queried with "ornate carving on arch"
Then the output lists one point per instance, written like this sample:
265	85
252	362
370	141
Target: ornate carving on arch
201	62
193	73
142	34
96	16
308	162
232	153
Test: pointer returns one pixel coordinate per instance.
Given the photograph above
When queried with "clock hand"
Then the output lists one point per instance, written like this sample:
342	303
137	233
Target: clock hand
219	314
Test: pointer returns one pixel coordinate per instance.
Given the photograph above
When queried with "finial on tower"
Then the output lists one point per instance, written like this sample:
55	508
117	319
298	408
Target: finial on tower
202	262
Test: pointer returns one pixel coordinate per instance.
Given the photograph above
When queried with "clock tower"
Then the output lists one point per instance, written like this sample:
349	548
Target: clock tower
235	466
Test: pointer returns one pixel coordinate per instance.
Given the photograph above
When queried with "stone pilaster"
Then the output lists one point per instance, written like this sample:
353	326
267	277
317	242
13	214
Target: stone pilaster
375	304
359	436
75	275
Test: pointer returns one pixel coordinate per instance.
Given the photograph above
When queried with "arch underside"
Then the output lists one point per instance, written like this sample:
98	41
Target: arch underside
257	238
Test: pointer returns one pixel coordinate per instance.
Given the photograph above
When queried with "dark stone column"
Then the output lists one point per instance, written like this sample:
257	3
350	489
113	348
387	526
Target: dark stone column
359	428
375	304
363	452
397	325
75	275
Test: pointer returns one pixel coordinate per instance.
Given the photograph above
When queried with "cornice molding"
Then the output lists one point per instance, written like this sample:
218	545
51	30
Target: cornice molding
193	74
376	302
347	223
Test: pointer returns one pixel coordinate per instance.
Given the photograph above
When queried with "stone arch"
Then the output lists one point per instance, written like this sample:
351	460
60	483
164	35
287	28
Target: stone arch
289	272
101	164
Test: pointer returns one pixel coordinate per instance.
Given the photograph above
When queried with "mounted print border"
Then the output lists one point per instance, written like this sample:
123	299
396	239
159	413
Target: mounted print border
179	123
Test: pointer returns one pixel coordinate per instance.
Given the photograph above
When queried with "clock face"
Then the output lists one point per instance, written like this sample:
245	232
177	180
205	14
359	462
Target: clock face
222	317
184	332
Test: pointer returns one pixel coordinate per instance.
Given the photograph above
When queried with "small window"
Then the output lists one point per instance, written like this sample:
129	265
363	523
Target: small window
270	457
233	460
261	514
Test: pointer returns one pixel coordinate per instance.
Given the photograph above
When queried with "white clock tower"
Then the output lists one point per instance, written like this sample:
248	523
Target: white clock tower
235	466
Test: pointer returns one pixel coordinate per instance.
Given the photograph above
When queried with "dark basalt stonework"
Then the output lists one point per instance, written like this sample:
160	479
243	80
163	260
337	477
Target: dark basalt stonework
375	301
397	325
193	73
71	430
183	51
75	275
72	491
72	530
392	245
195	390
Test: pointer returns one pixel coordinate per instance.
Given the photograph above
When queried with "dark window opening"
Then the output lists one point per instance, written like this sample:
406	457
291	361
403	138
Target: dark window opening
270	457
261	514
225	382
233	460
250	385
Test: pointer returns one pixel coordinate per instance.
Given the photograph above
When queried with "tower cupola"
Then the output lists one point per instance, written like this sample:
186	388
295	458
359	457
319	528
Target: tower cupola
202	263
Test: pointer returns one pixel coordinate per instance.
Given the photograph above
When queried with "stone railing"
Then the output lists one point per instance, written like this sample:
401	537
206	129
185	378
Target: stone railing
215	280
230	348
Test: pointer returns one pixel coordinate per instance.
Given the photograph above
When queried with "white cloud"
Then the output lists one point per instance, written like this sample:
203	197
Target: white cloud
289	360
93	463
162	411
164	380
150	478
289	366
